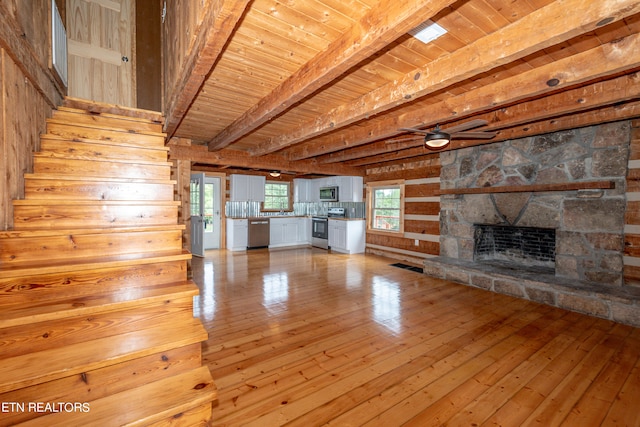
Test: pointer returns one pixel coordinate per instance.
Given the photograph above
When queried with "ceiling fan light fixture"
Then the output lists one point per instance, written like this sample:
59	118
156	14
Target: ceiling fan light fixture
274	174
437	140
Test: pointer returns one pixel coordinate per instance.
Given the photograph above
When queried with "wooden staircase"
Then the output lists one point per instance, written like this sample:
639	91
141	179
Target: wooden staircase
96	312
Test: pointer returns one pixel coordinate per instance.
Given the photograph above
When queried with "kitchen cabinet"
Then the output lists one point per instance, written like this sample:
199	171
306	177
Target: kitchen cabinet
246	188
347	236
303	190
289	231
350	188
237	234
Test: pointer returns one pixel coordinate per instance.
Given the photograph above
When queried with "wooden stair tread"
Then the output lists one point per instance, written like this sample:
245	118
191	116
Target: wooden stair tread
15	234
57	266
132	118
48	202
20	371
59	177
95	106
110	129
101	142
143	405
47	156
51	309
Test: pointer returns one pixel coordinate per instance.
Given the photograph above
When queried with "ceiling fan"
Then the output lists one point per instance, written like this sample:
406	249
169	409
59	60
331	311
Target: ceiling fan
437	139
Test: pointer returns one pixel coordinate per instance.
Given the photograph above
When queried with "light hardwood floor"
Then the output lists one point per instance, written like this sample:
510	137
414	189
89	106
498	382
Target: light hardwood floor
303	337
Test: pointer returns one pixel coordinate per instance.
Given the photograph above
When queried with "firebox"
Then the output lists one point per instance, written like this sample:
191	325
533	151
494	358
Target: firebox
527	247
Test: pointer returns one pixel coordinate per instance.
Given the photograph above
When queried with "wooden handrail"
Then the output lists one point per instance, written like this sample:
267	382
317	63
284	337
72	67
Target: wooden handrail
565	186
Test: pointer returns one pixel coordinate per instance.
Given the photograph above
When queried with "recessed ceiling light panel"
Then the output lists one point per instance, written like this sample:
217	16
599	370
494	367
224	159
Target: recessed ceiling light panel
427	31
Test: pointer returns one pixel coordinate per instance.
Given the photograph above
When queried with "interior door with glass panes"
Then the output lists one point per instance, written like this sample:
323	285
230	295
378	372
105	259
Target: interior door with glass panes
196	192
211	211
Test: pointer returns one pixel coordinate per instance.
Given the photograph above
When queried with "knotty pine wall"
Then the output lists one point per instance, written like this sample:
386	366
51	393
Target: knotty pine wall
181	26
29	94
422	208
632	216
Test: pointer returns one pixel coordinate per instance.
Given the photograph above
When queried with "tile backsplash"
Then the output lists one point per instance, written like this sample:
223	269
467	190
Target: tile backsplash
252	209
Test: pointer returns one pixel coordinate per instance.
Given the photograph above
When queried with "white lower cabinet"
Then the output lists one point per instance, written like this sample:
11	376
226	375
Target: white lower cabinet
237	234
289	232
347	236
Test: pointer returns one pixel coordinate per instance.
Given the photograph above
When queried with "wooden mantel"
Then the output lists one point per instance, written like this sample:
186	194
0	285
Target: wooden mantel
565	186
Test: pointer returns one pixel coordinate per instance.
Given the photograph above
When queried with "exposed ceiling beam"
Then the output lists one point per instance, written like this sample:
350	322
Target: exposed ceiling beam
548	26
216	27
611	59
586	106
383	24
242	159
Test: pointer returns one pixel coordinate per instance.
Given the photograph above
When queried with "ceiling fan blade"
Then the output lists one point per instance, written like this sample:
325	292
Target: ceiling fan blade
407	139
473	135
466	125
415	130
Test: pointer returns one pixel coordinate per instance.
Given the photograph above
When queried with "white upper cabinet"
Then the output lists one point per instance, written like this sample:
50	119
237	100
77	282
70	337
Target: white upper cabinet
247	188
350	188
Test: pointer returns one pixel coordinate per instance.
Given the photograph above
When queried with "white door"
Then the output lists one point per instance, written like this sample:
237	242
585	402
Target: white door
211	210
197	214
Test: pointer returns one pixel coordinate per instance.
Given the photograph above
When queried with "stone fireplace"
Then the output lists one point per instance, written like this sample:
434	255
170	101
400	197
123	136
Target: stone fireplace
588	223
566	189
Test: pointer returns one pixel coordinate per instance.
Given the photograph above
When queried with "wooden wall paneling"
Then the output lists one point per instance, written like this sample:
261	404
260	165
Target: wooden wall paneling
23	112
402	243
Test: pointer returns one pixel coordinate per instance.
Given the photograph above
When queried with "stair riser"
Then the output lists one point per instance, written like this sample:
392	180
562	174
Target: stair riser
89	151
56	363
69	132
70	216
24	339
84	190
75	284
107	122
83	168
33	249
105	381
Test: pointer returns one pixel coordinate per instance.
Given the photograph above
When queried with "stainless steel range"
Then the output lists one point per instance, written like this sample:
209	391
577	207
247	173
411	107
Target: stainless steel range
320	227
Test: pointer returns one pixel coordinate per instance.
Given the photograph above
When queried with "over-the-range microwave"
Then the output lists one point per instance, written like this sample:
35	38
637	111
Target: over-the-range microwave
329	194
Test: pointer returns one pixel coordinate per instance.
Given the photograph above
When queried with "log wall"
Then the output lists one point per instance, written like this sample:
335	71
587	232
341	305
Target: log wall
29	94
421	235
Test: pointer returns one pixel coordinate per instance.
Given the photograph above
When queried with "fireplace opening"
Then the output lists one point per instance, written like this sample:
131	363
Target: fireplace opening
531	248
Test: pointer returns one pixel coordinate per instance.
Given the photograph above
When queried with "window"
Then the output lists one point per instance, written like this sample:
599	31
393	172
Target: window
276	196
386	206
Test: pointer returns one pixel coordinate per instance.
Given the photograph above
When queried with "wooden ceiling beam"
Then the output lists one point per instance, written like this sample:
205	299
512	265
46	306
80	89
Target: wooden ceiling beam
592	65
218	24
519	122
242	159
379	27
545	27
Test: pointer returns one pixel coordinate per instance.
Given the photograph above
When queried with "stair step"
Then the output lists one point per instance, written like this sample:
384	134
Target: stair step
101	168
59	187
69	131
77	148
101	107
33	214
47	365
37	246
79	278
165	399
51	310
65	331
106	114
106	121
98	383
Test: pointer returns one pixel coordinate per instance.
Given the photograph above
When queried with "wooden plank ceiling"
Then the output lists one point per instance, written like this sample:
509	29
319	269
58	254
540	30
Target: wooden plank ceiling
321	86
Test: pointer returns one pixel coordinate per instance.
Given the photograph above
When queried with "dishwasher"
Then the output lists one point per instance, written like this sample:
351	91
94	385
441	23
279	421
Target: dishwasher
258	233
